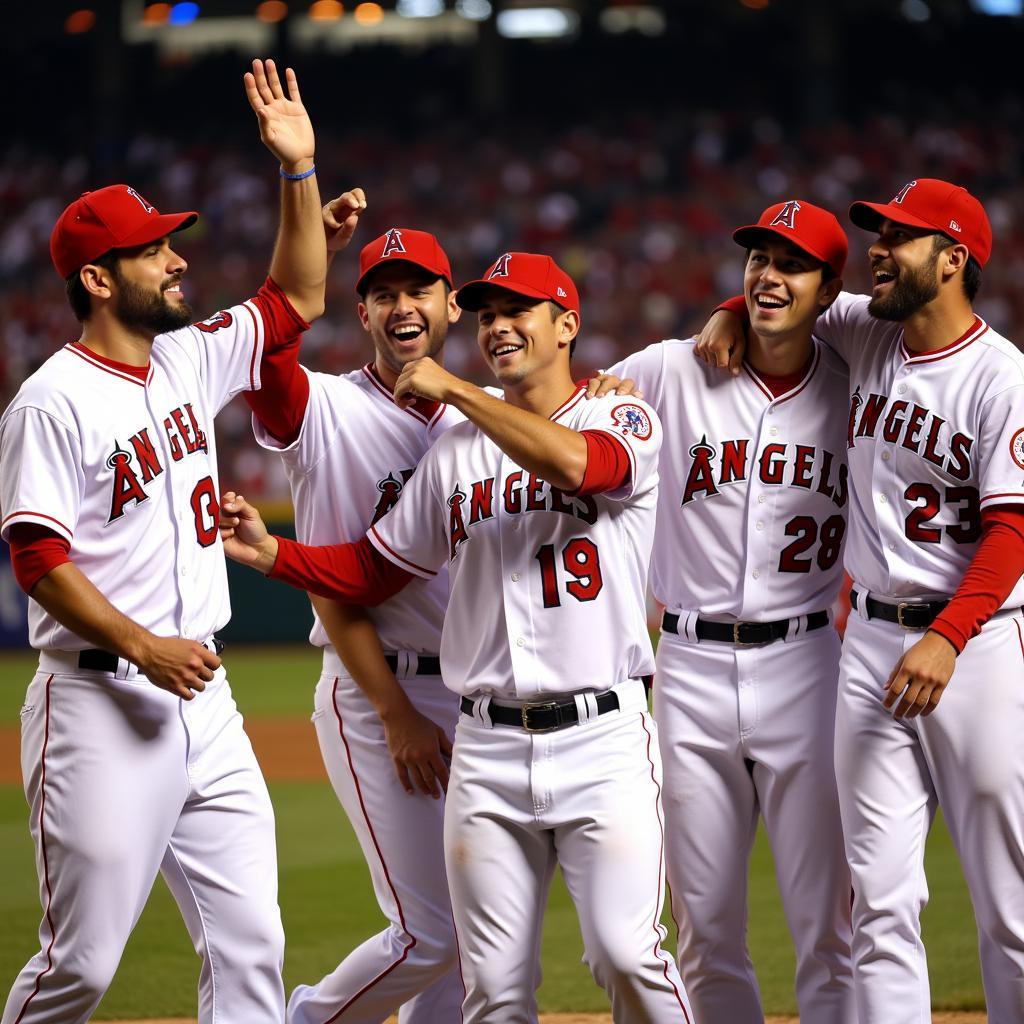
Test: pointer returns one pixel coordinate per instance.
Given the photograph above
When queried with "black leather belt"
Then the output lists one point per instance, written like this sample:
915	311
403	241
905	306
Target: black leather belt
906	614
744	634
96	660
542	716
426	664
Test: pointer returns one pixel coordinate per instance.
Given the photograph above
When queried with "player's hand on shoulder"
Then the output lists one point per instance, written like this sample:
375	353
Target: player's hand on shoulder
244	533
420	750
722	342
285	127
182	667
602	384
919	679
423	378
341	217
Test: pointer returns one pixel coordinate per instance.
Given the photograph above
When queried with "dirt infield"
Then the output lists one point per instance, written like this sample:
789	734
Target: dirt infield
286	747
954	1017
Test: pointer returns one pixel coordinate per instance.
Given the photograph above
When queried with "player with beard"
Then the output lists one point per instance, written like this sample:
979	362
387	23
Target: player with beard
133	752
936	552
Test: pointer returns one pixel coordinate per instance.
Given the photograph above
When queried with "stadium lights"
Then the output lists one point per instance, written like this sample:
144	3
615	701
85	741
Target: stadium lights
79	22
369	13
473	10
156	14
325	10
1001	8
646	19
272	10
183	13
419	8
537	23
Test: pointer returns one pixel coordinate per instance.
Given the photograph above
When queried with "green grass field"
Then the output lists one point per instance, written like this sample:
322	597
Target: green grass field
328	905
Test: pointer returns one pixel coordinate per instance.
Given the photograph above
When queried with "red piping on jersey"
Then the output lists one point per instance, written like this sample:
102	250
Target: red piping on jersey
815	360
255	346
971	335
423	409
572	400
89	358
661	831
397	557
1019	495
46	864
40	515
380	856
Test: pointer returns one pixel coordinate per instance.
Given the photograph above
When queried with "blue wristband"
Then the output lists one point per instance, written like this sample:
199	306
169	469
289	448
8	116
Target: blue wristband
298	177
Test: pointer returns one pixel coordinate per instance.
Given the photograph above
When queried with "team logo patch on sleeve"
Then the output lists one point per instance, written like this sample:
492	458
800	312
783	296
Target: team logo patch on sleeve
632	419
1017	448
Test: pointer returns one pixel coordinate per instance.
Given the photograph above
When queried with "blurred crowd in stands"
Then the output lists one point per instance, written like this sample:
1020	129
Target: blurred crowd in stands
639	210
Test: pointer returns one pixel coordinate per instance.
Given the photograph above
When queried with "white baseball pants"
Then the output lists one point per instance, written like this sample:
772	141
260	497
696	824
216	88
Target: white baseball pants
587	798
125	780
967	757
746	730
411	963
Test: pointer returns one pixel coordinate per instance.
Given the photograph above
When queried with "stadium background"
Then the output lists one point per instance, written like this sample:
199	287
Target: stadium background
625	137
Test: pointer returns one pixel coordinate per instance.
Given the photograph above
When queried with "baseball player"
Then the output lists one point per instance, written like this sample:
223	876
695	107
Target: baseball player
751	522
133	753
935	440
543	509
383	718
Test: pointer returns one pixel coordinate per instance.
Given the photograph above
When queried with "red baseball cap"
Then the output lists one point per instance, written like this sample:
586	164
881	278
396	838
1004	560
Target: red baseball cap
403	245
523	273
115	217
808	227
936	205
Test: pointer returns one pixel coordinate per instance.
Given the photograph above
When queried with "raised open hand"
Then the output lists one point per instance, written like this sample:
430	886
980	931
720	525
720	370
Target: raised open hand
285	127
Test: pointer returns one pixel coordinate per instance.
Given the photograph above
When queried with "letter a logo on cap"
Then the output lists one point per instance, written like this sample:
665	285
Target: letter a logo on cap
902	194
392	243
786	217
500	268
135	195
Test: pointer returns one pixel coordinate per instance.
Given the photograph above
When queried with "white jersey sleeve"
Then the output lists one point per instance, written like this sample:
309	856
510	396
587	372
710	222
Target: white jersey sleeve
1001	437
50	499
636	426
414	534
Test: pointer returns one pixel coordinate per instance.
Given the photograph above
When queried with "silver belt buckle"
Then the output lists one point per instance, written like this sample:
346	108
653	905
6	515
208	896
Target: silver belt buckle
524	709
899	617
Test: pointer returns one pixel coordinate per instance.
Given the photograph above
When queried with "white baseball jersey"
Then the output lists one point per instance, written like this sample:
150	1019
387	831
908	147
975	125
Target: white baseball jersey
753	497
547	588
933	439
126	471
354	455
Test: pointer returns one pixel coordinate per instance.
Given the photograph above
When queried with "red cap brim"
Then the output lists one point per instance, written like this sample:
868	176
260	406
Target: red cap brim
470	295
870	215
436	271
159	227
745	236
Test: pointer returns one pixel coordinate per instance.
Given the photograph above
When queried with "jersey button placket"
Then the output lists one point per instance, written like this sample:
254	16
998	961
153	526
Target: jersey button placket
515	599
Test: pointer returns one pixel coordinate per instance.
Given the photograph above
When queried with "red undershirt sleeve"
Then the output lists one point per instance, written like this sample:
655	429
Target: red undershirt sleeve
280	319
280	404
994	570
350	573
608	465
738	305
35	550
